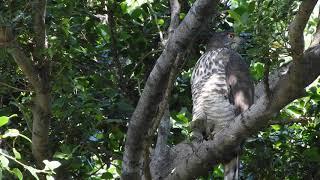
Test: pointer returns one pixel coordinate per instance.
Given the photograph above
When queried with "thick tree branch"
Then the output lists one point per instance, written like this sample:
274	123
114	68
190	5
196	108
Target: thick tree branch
274	77
163	113
175	11
154	89
26	65
198	157
297	26
39	12
316	36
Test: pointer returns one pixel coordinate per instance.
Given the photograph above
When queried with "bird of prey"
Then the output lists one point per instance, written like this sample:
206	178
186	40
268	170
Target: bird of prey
221	89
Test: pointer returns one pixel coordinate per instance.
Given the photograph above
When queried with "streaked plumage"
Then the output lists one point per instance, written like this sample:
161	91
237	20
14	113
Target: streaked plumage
221	86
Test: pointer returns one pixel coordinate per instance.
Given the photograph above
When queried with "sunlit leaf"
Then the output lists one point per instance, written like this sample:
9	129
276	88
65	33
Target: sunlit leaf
17	155
4	120
107	175
49	177
33	172
51	165
276	127
11	133
18	173
4	161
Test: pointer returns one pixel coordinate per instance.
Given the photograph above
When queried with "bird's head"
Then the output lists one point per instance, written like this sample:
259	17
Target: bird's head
224	40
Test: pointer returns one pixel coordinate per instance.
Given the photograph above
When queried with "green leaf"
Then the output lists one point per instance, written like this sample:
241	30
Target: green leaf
11	133
107	175
234	15
61	155
33	171
51	165
313	154
182	118
218	171
48	177
4	162
276	127
17	172
4	120
17	155
257	70
160	22
182	15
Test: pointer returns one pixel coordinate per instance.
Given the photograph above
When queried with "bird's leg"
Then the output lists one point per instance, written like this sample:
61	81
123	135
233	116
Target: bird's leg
198	129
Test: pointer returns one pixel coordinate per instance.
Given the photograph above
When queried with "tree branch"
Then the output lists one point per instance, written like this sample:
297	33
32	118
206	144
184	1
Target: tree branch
174	21
163	113
39	28
316	36
12	87
297	26
290	120
41	109
26	65
155	87
273	79
198	157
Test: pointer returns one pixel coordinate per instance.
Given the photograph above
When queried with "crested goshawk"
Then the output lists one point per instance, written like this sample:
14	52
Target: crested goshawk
221	89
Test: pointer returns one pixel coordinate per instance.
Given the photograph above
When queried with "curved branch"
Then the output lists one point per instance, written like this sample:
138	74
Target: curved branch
154	89
26	65
316	36
175	11
197	157
297	26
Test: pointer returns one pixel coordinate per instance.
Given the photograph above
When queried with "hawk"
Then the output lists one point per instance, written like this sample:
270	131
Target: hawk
221	89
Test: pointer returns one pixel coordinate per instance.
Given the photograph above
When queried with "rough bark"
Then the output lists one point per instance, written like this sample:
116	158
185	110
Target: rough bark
163	113
297	26
41	109
316	36
36	69
189	160
153	92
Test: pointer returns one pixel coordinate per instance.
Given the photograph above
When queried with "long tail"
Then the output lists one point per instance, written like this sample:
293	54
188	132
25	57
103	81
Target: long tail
231	169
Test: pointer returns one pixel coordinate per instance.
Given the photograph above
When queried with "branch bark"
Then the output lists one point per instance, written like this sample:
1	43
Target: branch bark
197	157
37	72
41	109
174	21
316	36
25	63
153	93
163	113
297	26
189	160
302	120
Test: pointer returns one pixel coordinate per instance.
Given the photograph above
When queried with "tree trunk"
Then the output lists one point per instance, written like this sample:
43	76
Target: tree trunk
40	129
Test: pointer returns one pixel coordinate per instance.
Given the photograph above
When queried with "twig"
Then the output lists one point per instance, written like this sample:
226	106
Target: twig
15	88
290	120
266	77
156	22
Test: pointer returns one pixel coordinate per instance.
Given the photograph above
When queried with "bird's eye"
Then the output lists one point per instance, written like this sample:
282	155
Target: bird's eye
231	36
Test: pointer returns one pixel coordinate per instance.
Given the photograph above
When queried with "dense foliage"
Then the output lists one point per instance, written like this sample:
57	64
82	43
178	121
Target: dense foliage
101	54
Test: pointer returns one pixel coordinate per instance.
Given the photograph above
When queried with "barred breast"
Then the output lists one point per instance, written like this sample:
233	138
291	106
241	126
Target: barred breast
210	93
